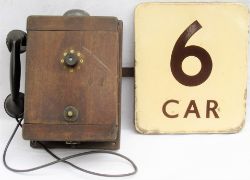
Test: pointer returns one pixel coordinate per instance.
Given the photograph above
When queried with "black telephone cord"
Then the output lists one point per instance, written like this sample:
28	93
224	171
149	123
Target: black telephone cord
64	159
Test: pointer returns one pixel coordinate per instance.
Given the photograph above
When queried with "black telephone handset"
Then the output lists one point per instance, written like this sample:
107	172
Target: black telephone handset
14	103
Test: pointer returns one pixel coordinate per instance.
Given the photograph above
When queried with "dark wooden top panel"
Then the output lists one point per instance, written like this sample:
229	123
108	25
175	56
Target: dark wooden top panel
69	23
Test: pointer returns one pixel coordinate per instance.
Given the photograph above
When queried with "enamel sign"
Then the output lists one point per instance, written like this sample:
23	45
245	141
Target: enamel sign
191	67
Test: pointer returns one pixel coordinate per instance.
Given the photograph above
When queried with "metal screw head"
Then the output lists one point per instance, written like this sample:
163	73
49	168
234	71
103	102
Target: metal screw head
71	60
70	113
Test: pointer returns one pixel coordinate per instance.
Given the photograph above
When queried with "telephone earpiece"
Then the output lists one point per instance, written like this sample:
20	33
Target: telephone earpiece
14	102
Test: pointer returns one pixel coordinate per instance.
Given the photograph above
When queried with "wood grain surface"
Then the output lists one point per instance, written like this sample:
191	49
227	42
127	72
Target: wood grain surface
92	87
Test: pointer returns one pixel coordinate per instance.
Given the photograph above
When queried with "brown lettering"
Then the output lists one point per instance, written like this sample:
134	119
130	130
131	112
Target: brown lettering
211	108
181	51
165	106
189	110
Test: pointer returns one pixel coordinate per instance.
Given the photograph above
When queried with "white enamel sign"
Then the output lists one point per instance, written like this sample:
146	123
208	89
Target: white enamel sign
191	67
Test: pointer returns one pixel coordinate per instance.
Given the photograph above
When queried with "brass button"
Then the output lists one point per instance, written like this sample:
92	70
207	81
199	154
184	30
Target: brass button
70	113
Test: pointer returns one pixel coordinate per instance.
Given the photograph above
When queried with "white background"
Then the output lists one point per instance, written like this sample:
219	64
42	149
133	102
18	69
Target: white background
175	157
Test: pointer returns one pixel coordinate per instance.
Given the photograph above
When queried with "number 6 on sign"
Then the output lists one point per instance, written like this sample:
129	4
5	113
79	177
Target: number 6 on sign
180	52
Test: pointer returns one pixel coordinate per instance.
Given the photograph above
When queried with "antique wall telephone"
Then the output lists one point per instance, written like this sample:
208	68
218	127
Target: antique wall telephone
73	84
73	76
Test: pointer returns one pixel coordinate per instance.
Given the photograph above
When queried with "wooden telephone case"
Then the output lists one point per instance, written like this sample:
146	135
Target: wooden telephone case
73	106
